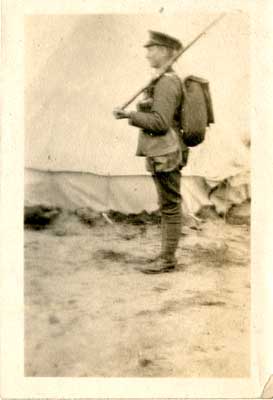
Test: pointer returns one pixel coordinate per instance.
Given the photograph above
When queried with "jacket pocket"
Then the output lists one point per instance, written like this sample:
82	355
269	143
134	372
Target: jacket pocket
157	145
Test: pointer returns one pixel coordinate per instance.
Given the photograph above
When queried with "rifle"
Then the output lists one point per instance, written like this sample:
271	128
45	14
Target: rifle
172	60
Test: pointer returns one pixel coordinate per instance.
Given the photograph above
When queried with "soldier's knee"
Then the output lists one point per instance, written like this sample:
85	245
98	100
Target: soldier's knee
173	209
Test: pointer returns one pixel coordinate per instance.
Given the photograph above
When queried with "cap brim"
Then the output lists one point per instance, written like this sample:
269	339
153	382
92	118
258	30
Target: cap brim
151	43
154	43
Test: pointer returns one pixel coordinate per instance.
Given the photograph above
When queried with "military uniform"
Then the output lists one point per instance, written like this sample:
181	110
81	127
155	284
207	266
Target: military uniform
158	117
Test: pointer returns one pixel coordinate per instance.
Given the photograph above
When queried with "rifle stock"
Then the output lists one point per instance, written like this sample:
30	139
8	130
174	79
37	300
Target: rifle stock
172	60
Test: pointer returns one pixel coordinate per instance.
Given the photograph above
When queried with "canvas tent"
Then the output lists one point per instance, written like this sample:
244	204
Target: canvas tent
79	67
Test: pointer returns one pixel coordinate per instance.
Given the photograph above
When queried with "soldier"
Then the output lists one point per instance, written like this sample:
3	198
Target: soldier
158	117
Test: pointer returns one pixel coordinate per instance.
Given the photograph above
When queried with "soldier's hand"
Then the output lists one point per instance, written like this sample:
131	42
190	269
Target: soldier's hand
120	114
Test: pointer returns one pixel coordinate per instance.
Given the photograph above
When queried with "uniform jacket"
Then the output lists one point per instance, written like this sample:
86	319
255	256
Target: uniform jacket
158	116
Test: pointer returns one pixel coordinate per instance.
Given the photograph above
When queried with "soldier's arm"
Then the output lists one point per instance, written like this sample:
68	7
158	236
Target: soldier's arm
166	100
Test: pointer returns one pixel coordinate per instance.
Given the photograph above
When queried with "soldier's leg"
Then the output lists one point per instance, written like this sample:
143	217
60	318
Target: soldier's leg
169	184
168	189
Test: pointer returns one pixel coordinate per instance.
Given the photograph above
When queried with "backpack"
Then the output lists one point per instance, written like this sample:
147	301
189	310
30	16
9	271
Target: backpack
196	110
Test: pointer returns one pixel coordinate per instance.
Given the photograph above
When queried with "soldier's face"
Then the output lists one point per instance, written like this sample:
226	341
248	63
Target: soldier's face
157	56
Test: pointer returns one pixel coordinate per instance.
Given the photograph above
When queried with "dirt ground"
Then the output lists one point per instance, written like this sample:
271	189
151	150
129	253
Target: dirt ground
89	312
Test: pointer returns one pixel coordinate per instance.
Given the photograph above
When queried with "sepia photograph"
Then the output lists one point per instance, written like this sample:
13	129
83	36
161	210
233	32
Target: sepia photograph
136	251
137	217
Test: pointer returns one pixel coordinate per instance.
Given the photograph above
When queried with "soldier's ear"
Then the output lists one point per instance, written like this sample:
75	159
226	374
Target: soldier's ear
171	52
167	51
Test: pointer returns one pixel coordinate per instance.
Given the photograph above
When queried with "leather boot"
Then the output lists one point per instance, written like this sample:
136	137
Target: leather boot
171	231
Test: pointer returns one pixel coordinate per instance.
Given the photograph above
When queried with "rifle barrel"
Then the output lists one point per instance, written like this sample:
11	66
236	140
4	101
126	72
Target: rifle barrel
172	60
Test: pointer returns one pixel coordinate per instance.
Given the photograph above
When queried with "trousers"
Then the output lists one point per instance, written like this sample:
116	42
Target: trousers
168	186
